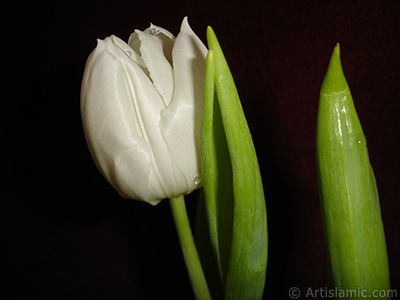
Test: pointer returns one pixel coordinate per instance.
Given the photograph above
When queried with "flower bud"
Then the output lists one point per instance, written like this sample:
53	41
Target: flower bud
141	105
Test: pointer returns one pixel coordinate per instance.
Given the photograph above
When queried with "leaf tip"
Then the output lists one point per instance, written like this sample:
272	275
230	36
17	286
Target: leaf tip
209	30
337	48
211	37
334	80
210	54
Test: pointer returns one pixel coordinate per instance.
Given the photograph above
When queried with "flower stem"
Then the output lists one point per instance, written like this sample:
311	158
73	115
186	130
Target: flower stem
189	250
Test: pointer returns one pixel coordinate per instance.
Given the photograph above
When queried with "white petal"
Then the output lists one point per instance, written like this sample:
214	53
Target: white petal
112	110
160	69
133	53
181	121
166	38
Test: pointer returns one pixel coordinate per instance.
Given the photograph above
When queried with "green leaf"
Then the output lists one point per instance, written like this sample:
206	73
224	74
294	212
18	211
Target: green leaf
353	228
205	250
217	172
233	188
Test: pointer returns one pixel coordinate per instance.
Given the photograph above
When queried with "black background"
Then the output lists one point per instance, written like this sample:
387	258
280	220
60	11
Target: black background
66	232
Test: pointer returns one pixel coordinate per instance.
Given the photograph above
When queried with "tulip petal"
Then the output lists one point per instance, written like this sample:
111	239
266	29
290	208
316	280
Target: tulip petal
132	52
121	112
112	134
181	121
166	38
160	69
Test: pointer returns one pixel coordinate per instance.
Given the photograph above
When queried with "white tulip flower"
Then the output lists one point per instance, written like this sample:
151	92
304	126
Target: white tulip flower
141	106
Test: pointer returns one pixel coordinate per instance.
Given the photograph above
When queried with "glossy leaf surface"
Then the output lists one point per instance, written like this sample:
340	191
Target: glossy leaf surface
353	228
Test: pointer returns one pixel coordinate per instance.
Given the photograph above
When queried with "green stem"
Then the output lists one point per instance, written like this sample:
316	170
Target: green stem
189	250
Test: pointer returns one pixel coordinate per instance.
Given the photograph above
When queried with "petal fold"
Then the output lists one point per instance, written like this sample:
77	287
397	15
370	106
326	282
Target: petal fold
181	121
151	49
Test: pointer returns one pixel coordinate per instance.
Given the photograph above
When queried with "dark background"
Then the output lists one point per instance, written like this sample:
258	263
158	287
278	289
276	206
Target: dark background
66	232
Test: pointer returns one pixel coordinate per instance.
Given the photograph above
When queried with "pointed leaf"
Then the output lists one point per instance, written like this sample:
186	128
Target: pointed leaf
243	268
217	172
353	228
